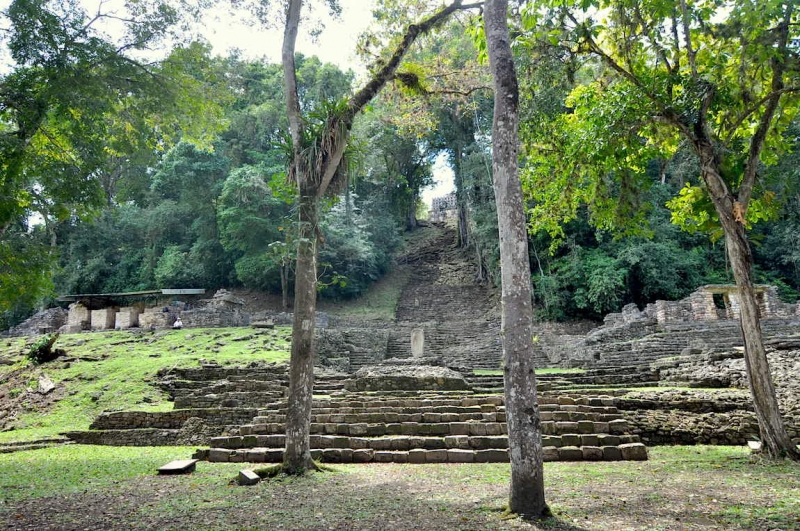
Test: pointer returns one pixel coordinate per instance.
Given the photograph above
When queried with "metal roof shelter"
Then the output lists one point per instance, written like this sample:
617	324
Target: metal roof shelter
104	299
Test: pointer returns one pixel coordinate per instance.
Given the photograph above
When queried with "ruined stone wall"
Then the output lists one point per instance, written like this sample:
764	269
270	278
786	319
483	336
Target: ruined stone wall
127	317
79	319
44	322
358	346
104	319
443	208
175	419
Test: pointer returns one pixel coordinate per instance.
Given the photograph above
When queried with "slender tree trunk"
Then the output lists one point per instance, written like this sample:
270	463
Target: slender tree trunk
411	214
526	496
285	285
297	457
774	438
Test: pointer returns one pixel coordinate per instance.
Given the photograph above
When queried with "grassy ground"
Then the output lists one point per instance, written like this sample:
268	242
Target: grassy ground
116	370
78	487
378	303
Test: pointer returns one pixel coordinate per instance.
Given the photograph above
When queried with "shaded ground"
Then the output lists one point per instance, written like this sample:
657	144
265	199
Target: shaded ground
679	488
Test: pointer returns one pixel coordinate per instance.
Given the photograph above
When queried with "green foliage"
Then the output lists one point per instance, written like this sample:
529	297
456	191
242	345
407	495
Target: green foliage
42	349
592	274
351	259
75	105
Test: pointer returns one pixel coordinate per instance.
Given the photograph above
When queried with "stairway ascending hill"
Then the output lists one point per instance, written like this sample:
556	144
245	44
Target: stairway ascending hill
458	315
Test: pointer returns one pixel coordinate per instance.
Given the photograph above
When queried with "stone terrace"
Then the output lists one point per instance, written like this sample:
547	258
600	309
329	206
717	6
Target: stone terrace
431	428
398	426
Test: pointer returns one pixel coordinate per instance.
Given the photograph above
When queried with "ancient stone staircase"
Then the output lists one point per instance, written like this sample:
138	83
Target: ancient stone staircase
218	398
670	340
457	315
432	428
214	404
606	378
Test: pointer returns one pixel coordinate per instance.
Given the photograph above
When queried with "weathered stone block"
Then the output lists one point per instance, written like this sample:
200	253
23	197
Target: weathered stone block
611	453
460	456
570	453
585	426
436	456
358	429
417	456
255	456
400	457
590	440
248	477
363	455
332	455
459	428
478	428
104	319
633	452
618	427
566	427
570	439
608	440
179	466
383	457
549	453
491	456
433	443
400	443
592	453
391	429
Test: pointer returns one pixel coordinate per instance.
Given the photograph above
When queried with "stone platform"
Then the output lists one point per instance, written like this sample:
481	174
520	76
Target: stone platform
431	428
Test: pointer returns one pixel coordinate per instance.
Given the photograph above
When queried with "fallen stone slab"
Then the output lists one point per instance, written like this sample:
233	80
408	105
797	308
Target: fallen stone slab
179	466
248	477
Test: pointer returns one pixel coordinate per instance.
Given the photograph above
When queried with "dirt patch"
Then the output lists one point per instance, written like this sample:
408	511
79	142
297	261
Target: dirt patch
20	393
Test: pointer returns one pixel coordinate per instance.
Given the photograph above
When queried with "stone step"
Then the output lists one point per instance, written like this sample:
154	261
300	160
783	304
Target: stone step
134	437
174	419
629	451
613	426
11	447
406	442
228	400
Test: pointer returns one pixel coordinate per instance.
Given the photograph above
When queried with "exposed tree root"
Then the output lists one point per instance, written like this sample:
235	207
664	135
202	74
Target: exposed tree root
283	469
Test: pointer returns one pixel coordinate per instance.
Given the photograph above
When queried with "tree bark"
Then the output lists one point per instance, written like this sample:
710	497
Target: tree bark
297	457
284	285
774	438
526	496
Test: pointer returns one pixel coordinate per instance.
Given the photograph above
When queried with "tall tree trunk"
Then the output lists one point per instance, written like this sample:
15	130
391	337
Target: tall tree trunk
411	214
297	457
774	438
284	285
526	496
461	197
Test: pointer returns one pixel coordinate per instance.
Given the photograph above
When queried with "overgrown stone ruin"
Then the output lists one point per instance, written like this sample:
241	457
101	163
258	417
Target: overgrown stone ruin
407	390
444	208
666	329
222	310
246	409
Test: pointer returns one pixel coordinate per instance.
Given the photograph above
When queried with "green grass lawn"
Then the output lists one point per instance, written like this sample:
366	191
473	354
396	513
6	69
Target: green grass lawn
116	370
697	487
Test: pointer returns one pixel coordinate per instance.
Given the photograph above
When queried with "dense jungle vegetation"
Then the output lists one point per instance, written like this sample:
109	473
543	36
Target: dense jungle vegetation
124	176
